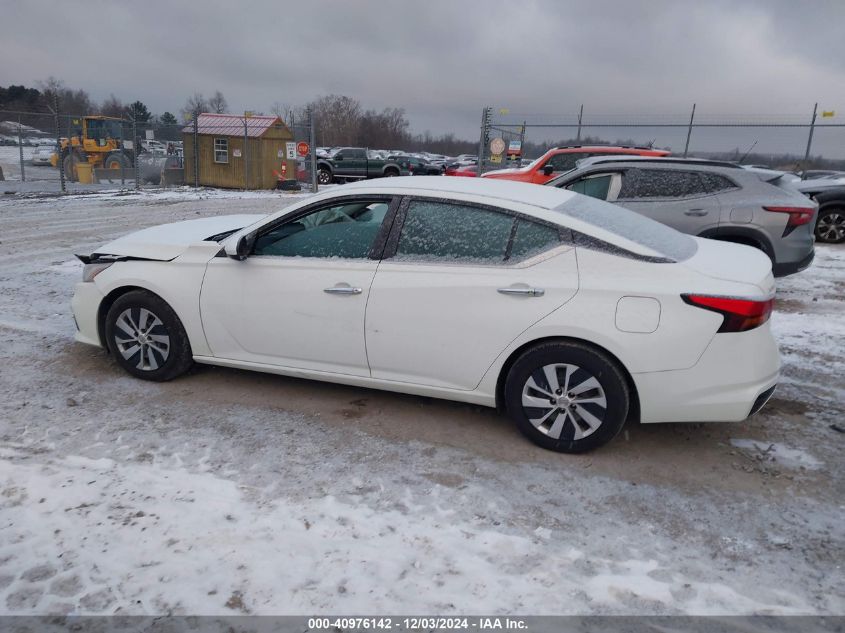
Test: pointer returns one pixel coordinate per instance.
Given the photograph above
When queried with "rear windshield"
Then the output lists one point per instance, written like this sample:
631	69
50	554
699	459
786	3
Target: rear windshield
637	228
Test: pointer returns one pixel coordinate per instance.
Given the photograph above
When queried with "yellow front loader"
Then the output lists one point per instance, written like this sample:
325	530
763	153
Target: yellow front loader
95	140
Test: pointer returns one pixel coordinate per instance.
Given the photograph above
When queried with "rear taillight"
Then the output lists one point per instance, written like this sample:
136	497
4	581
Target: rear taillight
739	314
798	216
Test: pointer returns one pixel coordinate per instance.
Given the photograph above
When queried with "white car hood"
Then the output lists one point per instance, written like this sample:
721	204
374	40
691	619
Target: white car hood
168	241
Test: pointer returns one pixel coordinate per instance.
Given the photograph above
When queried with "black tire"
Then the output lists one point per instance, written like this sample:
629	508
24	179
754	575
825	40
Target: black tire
324	176
116	160
593	379
391	173
147	355
69	162
830	225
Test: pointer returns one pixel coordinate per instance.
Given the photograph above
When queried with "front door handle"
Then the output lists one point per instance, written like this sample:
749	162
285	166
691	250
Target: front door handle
697	213
531	292
343	290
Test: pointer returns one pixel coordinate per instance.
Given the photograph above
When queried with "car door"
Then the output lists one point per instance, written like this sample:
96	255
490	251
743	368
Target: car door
677	198
458	283
298	300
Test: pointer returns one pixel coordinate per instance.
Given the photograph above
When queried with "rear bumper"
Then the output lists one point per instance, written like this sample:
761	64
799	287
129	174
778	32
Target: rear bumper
733	378
86	306
789	268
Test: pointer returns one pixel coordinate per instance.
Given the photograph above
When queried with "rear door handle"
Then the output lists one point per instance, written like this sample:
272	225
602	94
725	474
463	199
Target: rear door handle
343	290
531	292
696	212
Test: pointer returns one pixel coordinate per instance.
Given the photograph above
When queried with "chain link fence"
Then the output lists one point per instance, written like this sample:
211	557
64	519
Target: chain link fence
54	152
788	142
49	152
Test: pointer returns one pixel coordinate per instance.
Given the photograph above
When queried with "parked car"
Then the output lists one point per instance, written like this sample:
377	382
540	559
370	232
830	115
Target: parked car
829	194
569	313
457	169
353	163
42	155
561	159
714	199
416	166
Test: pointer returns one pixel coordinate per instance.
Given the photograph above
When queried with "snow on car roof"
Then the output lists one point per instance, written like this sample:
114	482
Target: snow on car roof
527	193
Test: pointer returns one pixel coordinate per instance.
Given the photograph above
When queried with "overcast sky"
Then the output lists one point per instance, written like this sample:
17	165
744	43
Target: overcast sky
443	60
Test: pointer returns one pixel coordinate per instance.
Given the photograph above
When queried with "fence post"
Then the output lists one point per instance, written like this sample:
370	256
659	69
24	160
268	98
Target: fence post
485	133
135	148
59	142
809	142
580	118
313	142
123	155
20	150
196	150
246	155
689	130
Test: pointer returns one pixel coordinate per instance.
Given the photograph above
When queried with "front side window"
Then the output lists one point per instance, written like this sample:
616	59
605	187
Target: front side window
447	232
660	183
345	231
221	150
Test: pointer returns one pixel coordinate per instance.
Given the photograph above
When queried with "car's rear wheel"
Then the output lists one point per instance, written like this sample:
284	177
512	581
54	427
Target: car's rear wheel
830	226
147	338
567	397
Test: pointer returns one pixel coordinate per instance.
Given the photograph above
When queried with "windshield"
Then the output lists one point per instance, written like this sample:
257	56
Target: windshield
632	226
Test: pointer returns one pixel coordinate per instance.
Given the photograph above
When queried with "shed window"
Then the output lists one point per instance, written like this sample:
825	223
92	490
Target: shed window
221	150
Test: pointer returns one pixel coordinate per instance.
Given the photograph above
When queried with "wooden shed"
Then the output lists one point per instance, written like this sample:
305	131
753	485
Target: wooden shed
220	140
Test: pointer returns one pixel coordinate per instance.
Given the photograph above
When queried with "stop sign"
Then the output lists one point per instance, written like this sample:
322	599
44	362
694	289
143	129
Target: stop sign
302	148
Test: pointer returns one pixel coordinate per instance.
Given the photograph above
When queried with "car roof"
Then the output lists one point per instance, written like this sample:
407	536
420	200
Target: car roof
523	192
658	160
600	146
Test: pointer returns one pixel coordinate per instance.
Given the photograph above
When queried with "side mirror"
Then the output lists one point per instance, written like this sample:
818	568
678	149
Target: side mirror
548	169
242	248
338	157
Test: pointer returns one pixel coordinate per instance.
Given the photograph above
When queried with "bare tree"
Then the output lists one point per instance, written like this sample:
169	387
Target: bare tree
70	101
194	105
113	107
217	103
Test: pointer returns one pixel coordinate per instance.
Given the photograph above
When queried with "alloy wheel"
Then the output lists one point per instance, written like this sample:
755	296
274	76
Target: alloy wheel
564	400
831	227
142	339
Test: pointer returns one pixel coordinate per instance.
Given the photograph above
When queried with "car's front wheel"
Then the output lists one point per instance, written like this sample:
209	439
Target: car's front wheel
147	338
567	396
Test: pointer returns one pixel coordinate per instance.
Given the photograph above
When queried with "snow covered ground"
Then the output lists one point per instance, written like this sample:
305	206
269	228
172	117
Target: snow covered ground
227	492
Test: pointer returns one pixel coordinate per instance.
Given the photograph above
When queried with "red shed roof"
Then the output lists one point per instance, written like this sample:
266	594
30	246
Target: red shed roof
232	124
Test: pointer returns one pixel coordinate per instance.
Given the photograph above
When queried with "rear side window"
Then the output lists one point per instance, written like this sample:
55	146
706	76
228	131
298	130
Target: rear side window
447	232
531	239
660	183
442	231
714	183
566	160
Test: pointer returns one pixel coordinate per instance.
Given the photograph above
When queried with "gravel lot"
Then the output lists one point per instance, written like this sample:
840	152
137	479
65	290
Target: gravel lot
232	492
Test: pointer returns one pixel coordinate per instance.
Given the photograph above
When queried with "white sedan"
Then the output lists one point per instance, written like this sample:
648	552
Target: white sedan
569	313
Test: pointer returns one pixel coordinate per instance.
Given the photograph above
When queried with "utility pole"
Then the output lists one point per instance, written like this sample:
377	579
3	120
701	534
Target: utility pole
809	142
689	130
246	154
196	149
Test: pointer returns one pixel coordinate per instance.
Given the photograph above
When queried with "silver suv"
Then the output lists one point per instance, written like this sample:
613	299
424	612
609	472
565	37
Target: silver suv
714	199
